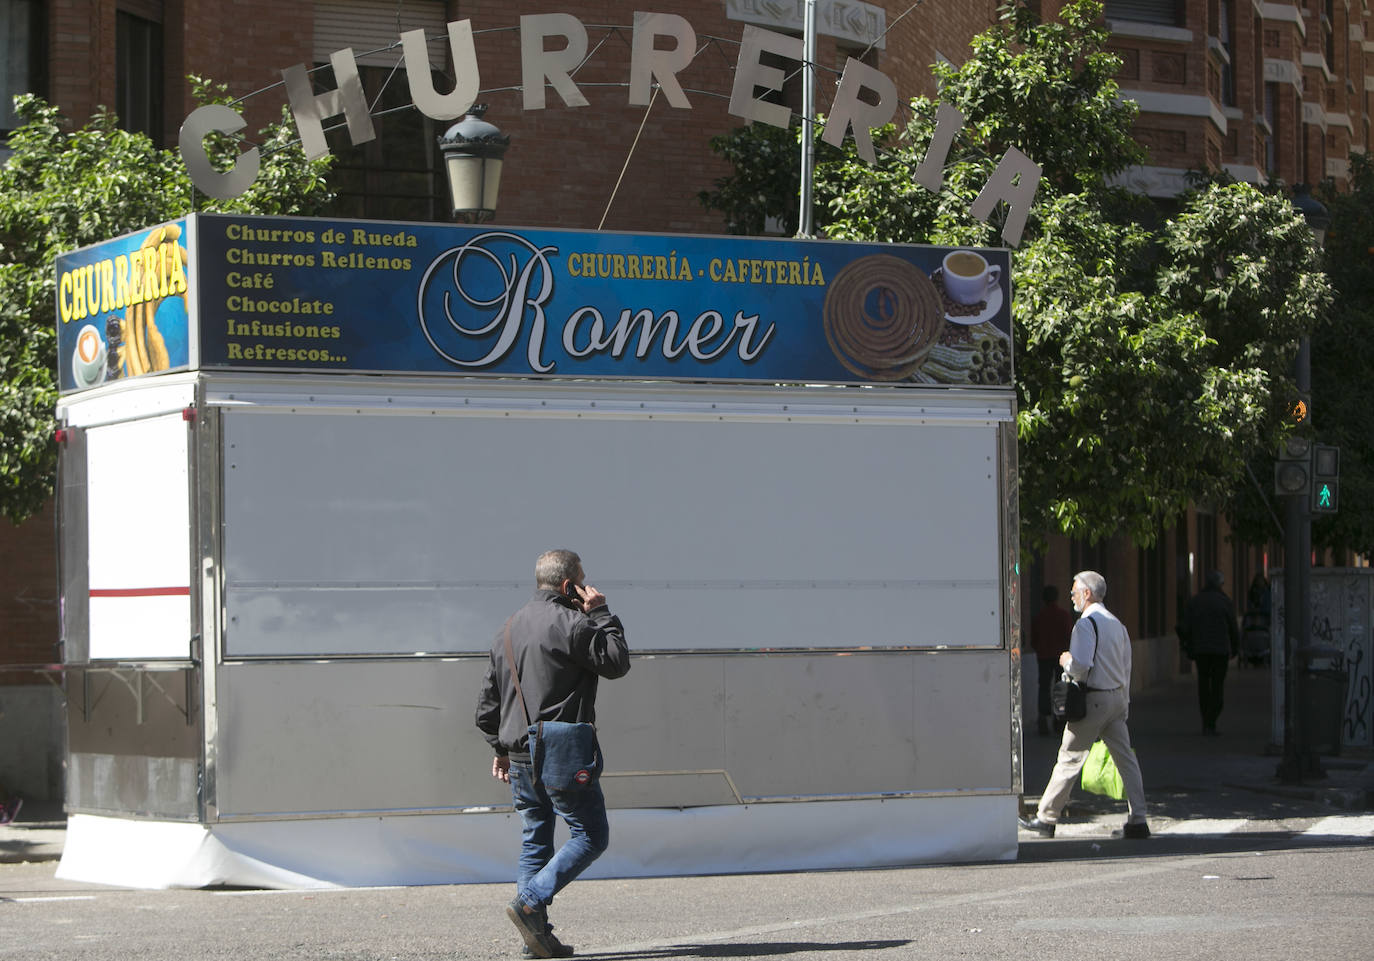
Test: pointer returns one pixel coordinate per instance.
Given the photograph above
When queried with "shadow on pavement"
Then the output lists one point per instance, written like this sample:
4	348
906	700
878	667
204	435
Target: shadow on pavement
747	950
1246	843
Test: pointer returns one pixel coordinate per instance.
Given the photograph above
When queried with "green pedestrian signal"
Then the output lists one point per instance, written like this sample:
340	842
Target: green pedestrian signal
1326	497
1326	490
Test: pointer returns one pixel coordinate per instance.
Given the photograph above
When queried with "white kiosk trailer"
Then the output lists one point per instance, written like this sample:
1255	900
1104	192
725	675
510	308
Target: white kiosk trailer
307	465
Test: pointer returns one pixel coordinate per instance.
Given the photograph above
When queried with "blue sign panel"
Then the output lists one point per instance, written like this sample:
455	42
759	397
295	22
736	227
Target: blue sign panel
303	294
121	308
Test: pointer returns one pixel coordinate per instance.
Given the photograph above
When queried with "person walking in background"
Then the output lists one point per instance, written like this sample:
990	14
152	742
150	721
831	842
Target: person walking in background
1211	638
1099	656
9	807
1050	629
561	643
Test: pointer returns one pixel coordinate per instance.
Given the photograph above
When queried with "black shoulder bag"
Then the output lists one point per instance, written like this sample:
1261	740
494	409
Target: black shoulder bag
565	756
1069	698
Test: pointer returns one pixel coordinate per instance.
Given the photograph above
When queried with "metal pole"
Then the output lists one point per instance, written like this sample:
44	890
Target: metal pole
1297	602
808	144
1290	768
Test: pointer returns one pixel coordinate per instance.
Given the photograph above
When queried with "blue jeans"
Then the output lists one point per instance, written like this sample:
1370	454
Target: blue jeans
544	872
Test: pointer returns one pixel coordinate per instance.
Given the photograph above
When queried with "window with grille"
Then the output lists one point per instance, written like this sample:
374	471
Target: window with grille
397	176
1168	13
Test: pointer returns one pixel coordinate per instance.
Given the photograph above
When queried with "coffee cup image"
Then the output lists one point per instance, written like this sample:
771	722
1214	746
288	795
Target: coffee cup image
88	358
968	277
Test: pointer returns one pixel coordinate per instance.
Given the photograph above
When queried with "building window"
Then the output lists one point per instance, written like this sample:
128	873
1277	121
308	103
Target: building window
1271	119
1167	13
1207	553
395	176
138	75
21	57
1225	33
1152	589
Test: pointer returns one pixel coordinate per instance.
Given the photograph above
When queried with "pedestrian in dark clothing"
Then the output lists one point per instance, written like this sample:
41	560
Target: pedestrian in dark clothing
562	642
1211	638
1050	630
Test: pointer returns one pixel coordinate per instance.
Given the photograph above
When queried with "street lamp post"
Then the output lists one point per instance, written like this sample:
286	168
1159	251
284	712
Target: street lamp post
473	150
1297	550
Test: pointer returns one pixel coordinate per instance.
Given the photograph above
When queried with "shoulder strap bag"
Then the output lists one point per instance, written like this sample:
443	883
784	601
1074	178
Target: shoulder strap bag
565	756
1069	698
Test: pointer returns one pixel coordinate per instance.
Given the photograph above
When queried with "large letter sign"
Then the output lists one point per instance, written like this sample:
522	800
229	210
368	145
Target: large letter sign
1014	182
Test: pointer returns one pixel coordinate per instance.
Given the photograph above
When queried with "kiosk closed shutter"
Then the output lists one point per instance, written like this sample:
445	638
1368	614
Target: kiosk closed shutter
1164	12
371	28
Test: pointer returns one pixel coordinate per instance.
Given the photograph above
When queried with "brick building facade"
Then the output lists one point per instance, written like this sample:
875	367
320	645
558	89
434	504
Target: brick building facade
1274	89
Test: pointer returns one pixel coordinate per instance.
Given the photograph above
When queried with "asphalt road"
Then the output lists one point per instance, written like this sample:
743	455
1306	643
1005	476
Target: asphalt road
1240	867
1290	888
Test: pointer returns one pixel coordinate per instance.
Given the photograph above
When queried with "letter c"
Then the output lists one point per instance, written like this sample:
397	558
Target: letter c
203	121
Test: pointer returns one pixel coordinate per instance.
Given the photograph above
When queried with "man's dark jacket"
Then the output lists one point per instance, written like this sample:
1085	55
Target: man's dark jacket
1211	624
560	653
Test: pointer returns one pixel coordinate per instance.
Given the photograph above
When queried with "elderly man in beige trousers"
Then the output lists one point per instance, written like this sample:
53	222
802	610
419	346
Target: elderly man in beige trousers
1099	656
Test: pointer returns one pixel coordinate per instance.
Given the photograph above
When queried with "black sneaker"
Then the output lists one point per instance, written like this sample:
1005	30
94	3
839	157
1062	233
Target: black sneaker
1133	830
532	924
560	950
1042	828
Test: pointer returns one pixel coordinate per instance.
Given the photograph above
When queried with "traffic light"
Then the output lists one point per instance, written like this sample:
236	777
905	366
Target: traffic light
1302	409
1293	469
1326	470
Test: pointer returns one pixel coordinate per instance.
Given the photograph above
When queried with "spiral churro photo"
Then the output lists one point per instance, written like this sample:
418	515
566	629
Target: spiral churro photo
882	317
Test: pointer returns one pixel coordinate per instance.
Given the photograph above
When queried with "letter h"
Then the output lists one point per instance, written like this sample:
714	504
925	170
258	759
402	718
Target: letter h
311	110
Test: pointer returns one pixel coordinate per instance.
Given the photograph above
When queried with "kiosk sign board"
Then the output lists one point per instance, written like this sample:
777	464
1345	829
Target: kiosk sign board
122	308
326	296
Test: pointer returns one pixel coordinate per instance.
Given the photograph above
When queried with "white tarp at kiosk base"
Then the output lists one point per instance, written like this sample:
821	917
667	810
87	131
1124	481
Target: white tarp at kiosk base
482	848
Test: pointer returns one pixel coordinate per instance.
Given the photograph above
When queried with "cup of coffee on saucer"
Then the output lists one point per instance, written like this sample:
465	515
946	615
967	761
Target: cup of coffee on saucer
968	277
88	359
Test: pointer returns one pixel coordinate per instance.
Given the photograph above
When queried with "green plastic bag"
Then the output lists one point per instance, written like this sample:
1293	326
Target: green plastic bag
1100	775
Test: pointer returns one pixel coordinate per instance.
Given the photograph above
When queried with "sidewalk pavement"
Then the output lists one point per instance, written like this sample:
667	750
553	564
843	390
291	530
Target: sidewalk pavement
1186	774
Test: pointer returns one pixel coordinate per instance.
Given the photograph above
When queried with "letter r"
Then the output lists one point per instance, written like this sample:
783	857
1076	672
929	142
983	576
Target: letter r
538	64
648	63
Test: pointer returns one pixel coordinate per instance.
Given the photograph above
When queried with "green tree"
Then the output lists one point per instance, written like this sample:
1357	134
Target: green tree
1343	361
62	189
1154	348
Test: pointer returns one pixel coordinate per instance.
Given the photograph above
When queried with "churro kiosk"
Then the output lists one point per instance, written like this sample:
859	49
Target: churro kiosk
306	467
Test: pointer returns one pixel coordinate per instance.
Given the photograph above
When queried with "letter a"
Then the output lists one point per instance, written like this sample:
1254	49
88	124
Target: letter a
1015	180
432	104
311	111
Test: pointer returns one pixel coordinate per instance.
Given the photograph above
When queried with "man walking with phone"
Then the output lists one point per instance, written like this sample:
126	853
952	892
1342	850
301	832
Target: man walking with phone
560	644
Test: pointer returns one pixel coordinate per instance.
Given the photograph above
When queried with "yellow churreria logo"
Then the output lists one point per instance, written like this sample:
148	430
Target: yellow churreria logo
154	271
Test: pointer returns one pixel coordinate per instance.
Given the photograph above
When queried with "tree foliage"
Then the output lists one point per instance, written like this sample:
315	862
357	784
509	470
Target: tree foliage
62	189
1154	346
1343	361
